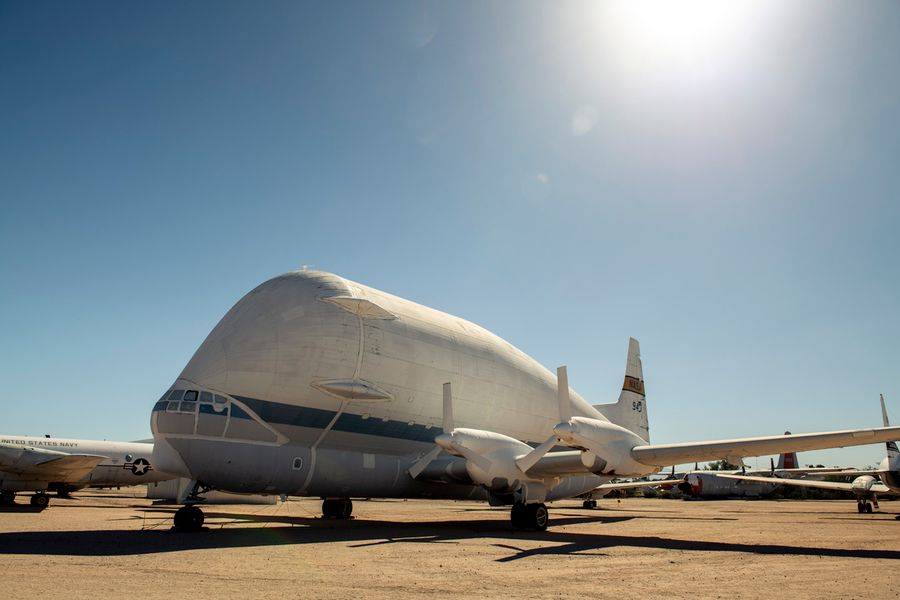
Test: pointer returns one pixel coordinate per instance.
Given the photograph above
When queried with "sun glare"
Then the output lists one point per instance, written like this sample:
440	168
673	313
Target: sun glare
678	29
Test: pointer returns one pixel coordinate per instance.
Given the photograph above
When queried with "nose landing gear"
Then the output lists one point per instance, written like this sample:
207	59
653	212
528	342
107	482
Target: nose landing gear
337	508
189	518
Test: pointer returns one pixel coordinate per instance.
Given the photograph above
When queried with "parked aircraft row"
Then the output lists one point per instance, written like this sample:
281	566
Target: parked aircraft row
42	464
867	485
314	385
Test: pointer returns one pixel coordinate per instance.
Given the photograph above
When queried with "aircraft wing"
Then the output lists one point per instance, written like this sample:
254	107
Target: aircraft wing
877	487
630	485
850	472
661	455
44	464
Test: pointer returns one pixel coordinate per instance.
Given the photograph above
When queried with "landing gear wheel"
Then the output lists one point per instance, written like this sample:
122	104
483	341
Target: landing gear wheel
7	498
860	508
531	517
337	508
189	518
40	500
589	504
868	507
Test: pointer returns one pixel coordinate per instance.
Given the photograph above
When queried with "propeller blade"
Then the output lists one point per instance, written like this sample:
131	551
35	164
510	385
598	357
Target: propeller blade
417	467
483	463
448	409
531	459
562	394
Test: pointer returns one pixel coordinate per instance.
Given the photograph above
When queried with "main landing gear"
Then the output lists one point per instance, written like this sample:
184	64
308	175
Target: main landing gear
337	508
863	506
7	498
589	504
40	500
530	517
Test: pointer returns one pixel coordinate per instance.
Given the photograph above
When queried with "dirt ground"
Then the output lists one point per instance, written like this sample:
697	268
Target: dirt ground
117	545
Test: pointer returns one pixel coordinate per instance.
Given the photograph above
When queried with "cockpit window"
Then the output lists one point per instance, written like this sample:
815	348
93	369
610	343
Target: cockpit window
176	395
190	396
221	400
164	396
173	407
188	406
206	397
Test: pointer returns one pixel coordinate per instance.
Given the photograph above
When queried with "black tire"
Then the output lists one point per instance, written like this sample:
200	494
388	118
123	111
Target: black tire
860	508
40	500
189	518
530	517
7	498
337	508
537	517
586	504
868	507
517	516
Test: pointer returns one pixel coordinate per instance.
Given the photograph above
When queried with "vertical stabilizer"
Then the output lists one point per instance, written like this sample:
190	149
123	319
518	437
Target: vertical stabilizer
630	411
893	454
789	460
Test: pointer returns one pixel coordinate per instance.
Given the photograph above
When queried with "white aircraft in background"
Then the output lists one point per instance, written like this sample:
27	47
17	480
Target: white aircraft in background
705	483
314	385
41	464
865	487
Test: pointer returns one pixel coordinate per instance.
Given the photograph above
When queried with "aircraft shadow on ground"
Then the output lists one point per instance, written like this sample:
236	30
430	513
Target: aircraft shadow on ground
359	533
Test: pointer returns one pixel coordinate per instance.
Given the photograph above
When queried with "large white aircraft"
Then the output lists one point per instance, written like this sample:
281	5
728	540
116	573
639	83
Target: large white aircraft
314	385
867	486
41	464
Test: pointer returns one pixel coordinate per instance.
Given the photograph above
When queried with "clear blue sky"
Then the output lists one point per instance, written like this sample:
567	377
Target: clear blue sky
722	186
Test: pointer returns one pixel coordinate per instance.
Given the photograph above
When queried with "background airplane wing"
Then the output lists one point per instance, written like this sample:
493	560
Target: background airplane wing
667	454
44	464
877	487
630	485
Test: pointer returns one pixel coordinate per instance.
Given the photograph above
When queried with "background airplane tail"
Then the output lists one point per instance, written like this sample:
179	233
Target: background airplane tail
893	454
630	411
789	460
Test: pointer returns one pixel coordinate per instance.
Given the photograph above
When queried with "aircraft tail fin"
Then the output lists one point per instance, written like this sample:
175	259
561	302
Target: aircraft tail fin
893	454
630	411
788	460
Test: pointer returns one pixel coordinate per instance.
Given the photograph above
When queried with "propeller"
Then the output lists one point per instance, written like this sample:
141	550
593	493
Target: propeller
448	440
565	414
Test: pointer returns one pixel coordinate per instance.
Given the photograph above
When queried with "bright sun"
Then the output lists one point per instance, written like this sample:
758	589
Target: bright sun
679	29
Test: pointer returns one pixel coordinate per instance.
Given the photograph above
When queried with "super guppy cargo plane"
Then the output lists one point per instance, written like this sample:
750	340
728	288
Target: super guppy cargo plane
314	385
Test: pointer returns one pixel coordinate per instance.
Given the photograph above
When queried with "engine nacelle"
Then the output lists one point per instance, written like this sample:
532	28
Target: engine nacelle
862	485
607	447
491	461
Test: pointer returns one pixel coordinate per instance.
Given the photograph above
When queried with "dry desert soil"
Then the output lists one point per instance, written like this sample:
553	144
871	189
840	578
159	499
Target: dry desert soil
116	544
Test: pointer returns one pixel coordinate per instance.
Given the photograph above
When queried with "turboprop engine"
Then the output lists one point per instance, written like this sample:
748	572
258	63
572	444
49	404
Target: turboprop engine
501	463
862	485
606	447
490	457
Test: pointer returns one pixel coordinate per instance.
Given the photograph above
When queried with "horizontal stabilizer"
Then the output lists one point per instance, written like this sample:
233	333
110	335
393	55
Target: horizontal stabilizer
662	455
